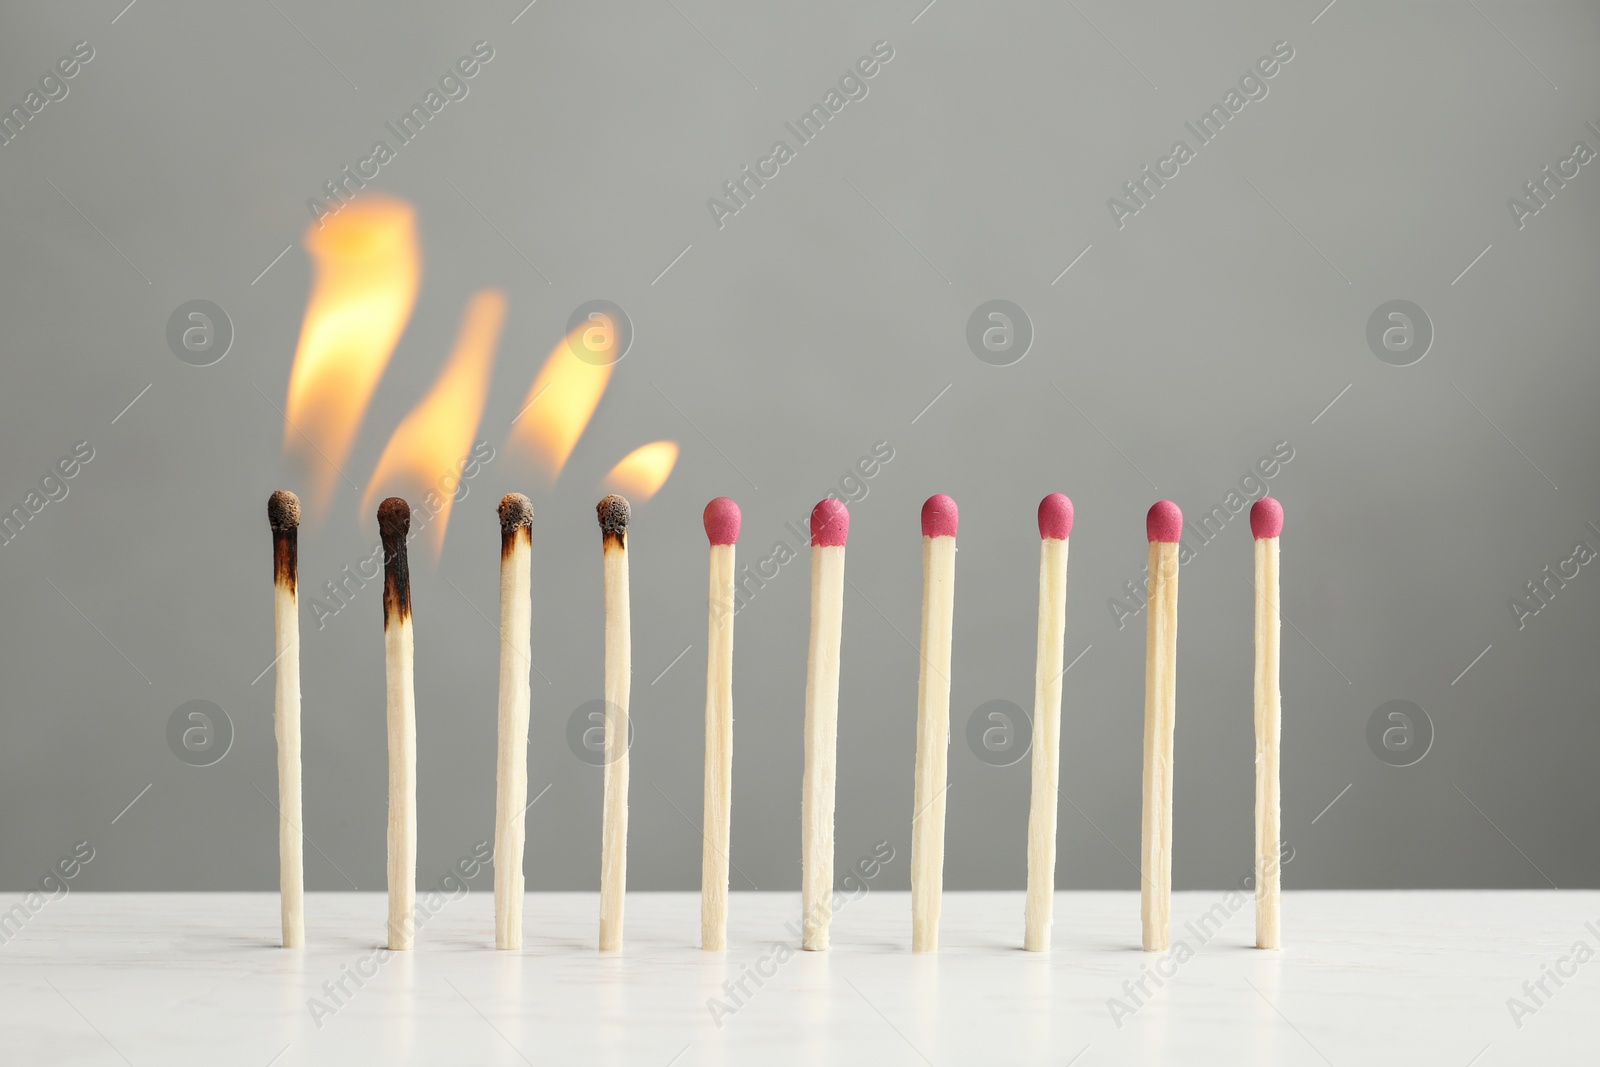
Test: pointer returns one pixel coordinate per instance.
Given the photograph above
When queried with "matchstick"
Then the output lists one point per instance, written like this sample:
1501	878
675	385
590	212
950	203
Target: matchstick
283	514
1164	526
1055	525
1266	522
511	775
613	512
939	520
830	527
722	529
394	521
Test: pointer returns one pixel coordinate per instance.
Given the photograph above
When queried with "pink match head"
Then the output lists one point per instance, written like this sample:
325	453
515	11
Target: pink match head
940	516
722	521
1164	522
1055	517
1266	518
830	523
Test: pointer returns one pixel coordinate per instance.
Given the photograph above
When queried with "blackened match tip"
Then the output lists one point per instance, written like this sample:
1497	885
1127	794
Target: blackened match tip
515	510
394	518
283	511
613	512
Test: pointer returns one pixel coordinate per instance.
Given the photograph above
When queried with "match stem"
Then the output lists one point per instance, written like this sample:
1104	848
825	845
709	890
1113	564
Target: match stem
1048	660
1160	686
286	725
618	673
933	741
511	775
1269	723
719	752
821	755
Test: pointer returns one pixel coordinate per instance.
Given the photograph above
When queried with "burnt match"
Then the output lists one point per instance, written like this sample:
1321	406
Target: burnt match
394	522
613	512
511	776
283	514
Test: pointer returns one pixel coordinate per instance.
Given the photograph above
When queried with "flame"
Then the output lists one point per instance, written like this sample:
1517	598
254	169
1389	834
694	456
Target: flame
367	267
567	391
643	472
430	446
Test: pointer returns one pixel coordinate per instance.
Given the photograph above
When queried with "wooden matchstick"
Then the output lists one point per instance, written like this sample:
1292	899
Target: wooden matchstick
1164	526
939	520
283	514
613	512
394	521
511	776
830	528
1055	525
722	529
1266	522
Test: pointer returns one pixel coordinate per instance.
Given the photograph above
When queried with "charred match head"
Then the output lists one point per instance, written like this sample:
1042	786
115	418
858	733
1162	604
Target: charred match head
613	512
516	517
1164	522
830	523
394	522
722	521
283	511
940	516
1055	517
1266	518
283	514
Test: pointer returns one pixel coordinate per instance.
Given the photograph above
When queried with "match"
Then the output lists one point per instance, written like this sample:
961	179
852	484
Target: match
511	774
1055	526
1164	526
830	528
394	522
1266	522
939	520
722	529
613	512
283	514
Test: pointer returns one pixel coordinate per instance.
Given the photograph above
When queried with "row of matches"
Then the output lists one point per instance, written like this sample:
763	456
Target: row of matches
830	528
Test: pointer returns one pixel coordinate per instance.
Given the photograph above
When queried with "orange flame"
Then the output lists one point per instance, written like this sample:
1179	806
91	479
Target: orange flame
567	391
367	268
643	472
429	447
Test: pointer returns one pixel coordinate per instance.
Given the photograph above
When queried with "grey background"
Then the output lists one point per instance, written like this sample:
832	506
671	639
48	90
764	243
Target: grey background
823	318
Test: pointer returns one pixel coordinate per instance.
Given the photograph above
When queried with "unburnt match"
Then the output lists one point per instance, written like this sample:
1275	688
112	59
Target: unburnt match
1055	526
394	522
1164	527
939	520
722	529
830	528
511	773
613	512
1266	522
283	515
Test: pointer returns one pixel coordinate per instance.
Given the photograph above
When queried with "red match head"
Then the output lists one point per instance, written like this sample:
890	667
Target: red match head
1266	518
722	521
1055	517
1164	522
940	516
830	523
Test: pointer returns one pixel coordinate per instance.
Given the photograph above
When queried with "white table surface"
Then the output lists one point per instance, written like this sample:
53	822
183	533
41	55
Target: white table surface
1366	978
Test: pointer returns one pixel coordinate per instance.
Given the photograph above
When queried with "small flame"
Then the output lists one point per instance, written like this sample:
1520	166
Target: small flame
566	392
429	447
643	472
367	268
